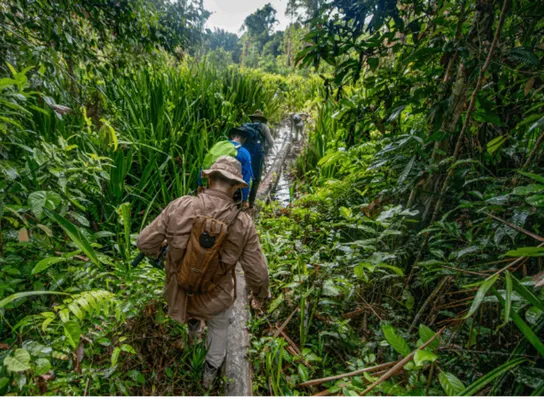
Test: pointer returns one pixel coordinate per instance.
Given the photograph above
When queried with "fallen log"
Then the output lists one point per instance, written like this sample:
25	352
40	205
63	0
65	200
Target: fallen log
270	181
237	366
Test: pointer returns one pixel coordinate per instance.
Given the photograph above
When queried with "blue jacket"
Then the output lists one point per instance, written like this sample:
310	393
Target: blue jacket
247	172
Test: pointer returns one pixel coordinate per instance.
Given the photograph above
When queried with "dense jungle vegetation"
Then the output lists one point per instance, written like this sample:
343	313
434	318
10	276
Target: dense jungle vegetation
415	234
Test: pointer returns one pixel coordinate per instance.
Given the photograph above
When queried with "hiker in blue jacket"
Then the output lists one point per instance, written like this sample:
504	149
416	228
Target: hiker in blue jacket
258	142
238	137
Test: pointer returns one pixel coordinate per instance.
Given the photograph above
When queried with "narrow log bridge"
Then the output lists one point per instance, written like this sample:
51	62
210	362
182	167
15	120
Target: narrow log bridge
237	367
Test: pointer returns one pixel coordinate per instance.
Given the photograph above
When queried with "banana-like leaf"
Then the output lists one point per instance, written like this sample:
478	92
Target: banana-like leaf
486	285
490	377
74	233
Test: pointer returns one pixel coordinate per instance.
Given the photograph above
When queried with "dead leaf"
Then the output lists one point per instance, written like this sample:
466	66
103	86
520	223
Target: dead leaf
46	230
49	376
4	346
539	279
80	352
23	235
62	110
529	86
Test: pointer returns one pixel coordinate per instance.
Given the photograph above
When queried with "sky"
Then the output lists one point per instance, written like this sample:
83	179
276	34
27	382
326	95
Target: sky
230	14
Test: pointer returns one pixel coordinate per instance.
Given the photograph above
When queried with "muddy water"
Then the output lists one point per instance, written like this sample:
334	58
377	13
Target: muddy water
281	193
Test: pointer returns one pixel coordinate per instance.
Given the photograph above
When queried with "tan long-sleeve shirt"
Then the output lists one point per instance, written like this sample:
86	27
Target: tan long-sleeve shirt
242	245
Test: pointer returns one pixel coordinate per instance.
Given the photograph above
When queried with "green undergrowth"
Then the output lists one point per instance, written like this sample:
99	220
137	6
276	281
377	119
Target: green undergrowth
81	172
339	264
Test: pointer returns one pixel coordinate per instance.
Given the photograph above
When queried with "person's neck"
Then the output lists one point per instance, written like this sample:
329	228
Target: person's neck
222	187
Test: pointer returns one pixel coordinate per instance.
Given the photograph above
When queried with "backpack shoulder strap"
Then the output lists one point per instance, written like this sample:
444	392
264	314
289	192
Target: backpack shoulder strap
234	219
197	204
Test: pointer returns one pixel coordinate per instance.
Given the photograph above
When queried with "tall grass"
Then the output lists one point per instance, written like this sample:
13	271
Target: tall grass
320	139
153	125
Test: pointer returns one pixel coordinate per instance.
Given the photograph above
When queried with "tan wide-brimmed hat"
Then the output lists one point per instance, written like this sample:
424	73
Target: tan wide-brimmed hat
258	115
229	167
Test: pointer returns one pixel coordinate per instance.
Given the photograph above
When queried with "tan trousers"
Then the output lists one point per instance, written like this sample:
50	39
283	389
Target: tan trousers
216	339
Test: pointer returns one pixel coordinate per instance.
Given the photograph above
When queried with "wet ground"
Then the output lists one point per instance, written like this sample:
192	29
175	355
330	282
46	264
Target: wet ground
281	191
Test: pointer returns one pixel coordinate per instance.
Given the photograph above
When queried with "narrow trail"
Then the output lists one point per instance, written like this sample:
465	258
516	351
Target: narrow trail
274	186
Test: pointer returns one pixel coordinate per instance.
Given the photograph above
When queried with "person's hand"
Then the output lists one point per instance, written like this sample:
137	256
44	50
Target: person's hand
259	304
245	204
251	211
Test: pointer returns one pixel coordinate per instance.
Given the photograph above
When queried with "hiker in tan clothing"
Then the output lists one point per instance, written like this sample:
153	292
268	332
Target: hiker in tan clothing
241	245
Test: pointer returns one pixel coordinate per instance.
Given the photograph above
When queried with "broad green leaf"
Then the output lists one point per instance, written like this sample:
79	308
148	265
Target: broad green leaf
38	201
396	270
75	234
64	314
20	295
425	334
138	377
360	271
450	383
76	311
481	383
42	366
128	348
529	189
523	327
373	63
496	143
46	263
46	322
4	382
72	331
423	355
536	200
538	178
395	340
480	294
488	116
115	356
526	252
18	362
346	212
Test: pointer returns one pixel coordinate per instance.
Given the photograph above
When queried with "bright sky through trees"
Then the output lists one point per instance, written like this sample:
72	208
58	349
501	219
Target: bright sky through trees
230	14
